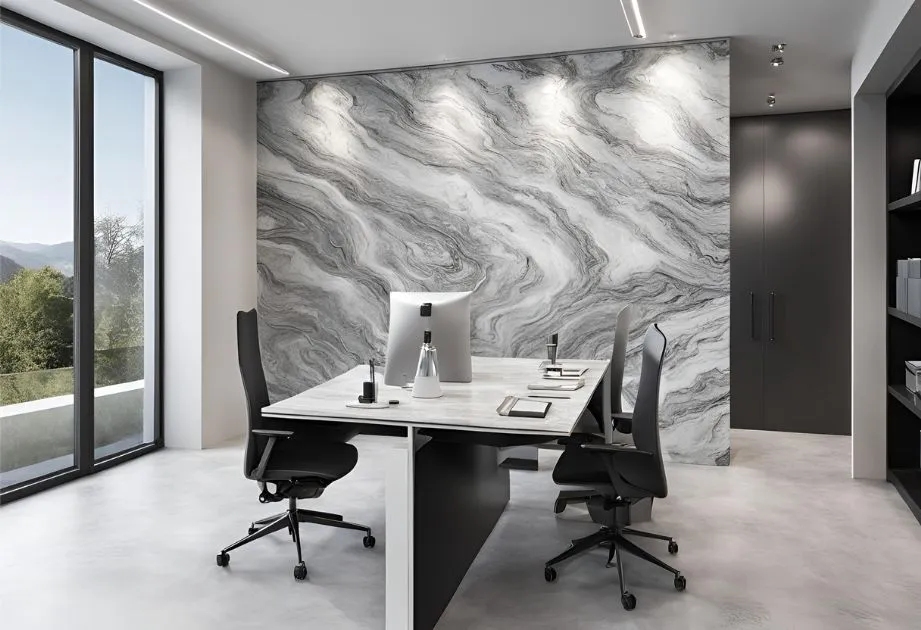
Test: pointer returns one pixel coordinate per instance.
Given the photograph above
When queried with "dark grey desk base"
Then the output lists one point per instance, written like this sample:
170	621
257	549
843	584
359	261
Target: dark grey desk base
460	493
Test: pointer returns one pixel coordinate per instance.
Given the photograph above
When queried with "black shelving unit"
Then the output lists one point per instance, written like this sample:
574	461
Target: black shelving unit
911	401
908	483
905	317
906	204
903	335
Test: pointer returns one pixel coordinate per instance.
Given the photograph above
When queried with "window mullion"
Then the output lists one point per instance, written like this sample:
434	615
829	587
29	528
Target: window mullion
84	254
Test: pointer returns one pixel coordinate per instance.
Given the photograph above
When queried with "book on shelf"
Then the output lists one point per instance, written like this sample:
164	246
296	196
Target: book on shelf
916	177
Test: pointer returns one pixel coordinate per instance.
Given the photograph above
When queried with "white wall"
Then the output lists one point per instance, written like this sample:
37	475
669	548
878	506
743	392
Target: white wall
879	28
209	250
228	245
182	260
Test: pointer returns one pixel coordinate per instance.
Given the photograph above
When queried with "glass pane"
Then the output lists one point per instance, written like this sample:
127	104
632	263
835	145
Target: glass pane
125	203
36	256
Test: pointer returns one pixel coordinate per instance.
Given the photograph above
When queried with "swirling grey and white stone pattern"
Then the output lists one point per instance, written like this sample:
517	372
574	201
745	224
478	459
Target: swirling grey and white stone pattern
557	189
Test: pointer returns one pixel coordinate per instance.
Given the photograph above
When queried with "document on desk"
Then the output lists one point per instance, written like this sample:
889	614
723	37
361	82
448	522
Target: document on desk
557	385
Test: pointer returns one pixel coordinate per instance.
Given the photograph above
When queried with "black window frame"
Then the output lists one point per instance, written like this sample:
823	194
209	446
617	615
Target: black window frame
85	463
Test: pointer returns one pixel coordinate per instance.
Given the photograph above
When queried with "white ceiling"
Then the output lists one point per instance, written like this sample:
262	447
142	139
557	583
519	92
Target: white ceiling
311	37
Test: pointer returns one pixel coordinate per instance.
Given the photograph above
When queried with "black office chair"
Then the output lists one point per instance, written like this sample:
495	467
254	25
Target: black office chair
299	463
621	421
623	475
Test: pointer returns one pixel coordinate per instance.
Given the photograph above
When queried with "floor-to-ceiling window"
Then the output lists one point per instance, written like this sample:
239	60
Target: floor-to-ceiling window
79	257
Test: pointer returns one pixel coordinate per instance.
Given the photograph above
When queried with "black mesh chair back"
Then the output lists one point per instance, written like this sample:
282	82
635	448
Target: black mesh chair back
254	385
622	476
646	410
273	457
619	357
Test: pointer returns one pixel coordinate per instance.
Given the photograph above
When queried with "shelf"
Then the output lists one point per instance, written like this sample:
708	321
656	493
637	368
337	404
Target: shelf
908	482
905	317
904	396
906	204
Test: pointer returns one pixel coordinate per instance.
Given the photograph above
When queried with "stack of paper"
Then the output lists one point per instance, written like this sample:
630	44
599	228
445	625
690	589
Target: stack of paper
559	385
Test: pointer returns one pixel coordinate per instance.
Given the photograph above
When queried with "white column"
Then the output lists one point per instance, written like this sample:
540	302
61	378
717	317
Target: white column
868	287
399	515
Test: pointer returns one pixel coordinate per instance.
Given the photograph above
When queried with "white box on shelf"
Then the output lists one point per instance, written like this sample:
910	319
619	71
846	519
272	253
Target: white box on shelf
901	293
914	267
902	268
916	177
913	376
914	296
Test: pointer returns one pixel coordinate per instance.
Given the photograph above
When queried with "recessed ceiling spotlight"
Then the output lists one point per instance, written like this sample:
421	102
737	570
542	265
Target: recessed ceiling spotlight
771	100
777	61
778	49
634	21
208	36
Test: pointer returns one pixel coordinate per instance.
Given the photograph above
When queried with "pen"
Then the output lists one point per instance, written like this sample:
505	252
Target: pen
554	397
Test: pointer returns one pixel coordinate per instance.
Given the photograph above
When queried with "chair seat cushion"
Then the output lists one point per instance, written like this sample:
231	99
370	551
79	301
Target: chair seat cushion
307	458
578	467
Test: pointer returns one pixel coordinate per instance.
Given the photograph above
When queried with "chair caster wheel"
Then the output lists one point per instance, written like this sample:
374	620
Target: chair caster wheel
628	600
672	547
558	506
300	572
550	574
680	583
368	541
223	559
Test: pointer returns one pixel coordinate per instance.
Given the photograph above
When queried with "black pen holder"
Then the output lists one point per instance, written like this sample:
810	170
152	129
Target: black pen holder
368	395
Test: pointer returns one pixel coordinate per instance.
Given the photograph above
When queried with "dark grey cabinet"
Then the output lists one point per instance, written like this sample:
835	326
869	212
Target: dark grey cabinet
790	299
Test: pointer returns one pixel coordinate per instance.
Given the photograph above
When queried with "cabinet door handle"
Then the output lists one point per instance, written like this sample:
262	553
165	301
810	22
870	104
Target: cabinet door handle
751	301
771	316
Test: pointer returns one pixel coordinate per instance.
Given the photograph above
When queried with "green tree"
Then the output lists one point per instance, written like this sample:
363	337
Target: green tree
36	322
119	283
119	299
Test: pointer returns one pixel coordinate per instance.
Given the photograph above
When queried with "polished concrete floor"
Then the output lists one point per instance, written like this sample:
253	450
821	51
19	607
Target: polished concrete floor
783	538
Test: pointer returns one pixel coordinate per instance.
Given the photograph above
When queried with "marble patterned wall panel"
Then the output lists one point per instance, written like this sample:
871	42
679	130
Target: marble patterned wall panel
558	189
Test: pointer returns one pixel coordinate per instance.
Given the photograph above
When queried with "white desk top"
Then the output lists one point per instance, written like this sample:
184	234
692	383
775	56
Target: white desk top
464	406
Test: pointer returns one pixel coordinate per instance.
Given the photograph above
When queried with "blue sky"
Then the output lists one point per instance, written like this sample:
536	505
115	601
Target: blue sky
36	139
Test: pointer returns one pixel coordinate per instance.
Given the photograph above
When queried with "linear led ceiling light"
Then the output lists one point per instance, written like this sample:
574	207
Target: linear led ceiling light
210	37
634	19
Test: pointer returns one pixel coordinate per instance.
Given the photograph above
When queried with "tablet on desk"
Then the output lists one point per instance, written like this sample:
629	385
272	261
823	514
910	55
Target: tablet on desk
523	408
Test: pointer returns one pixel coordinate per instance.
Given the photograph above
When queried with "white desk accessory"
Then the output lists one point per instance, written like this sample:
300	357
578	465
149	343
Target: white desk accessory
375	405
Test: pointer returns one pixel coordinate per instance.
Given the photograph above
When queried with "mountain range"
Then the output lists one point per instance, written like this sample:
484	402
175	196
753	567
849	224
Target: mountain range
60	256
8	269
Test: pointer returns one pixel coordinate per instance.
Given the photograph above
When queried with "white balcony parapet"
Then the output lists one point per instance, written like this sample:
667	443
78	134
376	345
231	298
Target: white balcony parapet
67	400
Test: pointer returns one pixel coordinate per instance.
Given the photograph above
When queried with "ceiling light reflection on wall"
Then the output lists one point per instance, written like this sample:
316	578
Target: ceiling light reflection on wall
208	36
634	18
771	100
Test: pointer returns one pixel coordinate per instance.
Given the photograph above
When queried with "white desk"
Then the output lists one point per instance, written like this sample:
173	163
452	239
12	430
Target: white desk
449	486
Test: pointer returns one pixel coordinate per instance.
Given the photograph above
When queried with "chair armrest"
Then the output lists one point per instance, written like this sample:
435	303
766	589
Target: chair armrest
612	448
272	433
273	436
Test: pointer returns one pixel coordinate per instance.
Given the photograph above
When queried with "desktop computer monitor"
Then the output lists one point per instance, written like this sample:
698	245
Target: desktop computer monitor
450	326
